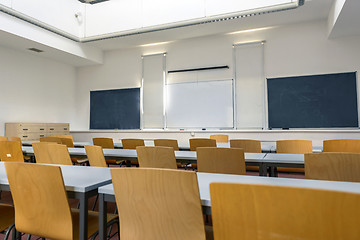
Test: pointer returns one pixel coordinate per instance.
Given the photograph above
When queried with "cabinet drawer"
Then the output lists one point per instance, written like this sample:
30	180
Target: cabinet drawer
57	128
31	136
31	128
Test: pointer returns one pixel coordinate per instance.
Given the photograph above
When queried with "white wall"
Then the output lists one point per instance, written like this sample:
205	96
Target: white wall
290	50
35	89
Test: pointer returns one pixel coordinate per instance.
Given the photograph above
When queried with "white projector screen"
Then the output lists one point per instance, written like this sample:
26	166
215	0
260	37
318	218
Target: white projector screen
204	104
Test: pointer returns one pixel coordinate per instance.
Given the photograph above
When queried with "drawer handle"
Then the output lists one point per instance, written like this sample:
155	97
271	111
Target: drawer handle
42	135
42	129
25	136
51	128
25	129
65	128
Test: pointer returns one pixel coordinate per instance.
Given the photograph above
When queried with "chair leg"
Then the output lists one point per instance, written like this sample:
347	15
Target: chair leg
7	234
28	237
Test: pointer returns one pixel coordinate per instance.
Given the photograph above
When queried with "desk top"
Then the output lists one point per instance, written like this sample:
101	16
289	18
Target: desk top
284	158
204	180
76	178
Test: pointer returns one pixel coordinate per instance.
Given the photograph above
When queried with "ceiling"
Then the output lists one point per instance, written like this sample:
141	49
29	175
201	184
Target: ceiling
310	11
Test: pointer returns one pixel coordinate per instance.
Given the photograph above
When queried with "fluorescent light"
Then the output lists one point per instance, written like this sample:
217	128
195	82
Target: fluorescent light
154	44
250	30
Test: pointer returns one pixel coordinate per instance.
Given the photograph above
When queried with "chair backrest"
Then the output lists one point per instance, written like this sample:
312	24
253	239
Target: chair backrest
11	151
132	143
201	142
15	139
3	138
156	157
246	211
142	204
50	139
249	145
68	142
104	142
41	152
294	146
40	200
220	138
221	160
333	166
63	136
167	143
342	145
57	154
95	156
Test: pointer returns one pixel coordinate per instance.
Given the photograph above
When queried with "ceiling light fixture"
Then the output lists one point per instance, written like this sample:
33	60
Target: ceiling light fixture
250	30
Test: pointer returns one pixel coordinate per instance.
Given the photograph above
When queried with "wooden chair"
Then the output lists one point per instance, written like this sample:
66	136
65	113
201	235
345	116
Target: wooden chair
7	219
221	160
43	209
95	155
156	157
68	142
342	145
249	145
220	138
3	138
132	143
333	166
50	153
167	143
11	151
51	139
295	147
247	212
63	136
104	142
15	139
200	142
145	212
41	152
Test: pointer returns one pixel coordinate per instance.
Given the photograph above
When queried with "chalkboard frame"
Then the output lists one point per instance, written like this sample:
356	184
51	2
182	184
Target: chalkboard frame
115	109
291	101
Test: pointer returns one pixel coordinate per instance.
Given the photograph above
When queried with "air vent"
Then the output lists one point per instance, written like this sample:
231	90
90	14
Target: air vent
92	1
35	50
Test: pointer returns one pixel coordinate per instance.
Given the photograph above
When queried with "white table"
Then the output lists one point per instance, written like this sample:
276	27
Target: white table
185	157
106	193
76	144
80	183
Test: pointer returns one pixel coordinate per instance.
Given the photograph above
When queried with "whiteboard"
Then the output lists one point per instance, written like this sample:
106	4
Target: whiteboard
204	104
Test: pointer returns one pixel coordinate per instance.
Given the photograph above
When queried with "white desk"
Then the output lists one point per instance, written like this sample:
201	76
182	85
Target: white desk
185	157
106	193
76	144
80	182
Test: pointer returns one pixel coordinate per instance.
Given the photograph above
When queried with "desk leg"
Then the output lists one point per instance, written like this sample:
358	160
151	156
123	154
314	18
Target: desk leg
83	217
273	172
102	217
263	170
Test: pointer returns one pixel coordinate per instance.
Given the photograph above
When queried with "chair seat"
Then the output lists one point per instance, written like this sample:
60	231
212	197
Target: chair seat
93	221
7	216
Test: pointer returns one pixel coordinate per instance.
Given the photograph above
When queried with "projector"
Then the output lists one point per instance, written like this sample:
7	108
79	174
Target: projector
92	1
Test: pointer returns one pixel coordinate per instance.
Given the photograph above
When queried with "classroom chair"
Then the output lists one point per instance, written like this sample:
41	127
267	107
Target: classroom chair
7	219
145	212
220	138
43	209
156	157
132	143
333	166
15	139
342	145
200	142
3	138
221	160
51	153
293	147
11	151
250	211
96	156
249	145
104	142
167	143
50	139
67	140
63	136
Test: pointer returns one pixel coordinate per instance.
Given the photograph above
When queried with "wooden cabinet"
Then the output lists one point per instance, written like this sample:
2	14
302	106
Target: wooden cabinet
33	131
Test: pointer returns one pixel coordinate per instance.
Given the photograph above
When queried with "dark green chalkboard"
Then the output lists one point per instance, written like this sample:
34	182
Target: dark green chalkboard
316	101
115	109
